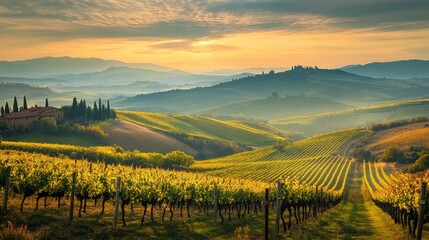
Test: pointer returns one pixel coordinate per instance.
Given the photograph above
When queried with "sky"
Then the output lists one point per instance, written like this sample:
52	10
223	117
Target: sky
226	34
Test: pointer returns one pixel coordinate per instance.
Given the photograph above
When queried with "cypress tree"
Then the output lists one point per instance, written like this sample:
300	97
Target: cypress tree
108	109
81	108
25	103
103	112
15	105
46	102
74	110
6	108
95	115
88	113
2	111
85	110
99	109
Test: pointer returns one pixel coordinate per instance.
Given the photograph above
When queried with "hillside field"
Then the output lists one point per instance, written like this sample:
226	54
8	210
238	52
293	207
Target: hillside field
131	136
359	117
404	137
72	139
309	160
252	134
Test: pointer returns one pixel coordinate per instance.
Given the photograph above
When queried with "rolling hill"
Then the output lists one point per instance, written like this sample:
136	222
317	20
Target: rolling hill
9	90
275	107
359	117
36	95
253	134
404	137
332	85
396	69
131	136
127	75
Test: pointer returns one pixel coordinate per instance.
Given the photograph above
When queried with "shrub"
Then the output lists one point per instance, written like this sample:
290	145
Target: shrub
178	159
9	232
361	154
393	154
421	164
281	144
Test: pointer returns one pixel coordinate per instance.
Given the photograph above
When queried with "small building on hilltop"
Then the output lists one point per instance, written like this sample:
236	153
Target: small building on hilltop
24	118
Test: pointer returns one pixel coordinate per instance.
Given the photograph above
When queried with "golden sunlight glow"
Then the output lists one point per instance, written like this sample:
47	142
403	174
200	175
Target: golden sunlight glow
235	51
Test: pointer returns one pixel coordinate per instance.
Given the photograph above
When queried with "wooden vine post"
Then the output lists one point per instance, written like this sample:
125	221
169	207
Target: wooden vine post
421	210
316	203
278	206
6	190
72	196
215	203
267	206
118	189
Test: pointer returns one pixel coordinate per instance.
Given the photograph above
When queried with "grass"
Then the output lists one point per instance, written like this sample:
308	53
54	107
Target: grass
72	139
356	218
53	223
231	131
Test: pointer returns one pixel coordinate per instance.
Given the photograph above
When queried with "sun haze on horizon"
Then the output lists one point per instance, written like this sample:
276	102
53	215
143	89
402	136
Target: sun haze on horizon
209	35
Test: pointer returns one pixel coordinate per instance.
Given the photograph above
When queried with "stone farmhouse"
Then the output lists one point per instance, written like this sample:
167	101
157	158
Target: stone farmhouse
25	118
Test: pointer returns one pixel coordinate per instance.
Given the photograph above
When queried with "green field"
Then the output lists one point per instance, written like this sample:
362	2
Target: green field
253	134
72	139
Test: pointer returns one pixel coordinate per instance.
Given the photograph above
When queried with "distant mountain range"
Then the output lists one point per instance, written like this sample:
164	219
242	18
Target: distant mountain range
397	69
52	67
98	76
127	75
48	66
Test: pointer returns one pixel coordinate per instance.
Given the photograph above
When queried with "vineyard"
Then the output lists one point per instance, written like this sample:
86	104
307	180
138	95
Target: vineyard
315	161
174	192
312	175
360	117
398	194
231	131
107	154
406	139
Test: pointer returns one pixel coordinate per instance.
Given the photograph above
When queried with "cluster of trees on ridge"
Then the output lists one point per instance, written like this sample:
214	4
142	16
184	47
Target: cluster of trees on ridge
396	123
83	112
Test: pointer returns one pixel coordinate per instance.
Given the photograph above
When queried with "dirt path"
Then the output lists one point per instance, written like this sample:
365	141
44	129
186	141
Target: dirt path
132	136
356	218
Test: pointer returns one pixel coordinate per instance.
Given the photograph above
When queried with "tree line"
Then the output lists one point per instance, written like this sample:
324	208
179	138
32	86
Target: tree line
80	111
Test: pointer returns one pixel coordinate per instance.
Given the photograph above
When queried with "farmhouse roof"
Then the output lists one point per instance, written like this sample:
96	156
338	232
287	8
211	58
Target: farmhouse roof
32	112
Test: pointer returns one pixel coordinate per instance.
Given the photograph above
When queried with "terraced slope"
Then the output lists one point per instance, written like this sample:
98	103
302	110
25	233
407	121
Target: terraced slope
314	160
246	133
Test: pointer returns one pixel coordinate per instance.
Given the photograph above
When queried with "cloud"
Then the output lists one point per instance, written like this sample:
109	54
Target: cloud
198	19
202	45
380	14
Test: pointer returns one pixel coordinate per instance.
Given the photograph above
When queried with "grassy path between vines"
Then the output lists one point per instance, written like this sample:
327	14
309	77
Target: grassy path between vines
357	217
